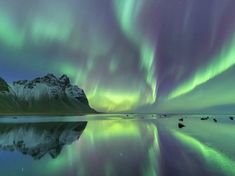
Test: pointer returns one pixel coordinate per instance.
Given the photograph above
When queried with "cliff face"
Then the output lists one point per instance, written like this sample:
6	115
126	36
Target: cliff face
3	86
39	139
47	95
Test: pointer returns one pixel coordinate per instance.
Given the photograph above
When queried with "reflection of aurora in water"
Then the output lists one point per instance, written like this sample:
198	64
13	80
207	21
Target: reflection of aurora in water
145	147
113	148
213	158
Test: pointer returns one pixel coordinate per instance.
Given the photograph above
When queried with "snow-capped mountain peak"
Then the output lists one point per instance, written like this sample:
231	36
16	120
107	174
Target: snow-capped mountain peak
49	93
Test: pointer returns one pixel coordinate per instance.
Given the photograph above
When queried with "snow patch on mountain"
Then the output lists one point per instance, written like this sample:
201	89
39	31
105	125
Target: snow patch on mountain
48	90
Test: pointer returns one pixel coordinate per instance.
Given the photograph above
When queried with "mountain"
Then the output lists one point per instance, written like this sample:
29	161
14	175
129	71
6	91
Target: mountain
3	85
43	95
39	139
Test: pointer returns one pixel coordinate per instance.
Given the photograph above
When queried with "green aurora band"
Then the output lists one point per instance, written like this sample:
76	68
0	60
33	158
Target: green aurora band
9	35
222	62
125	54
127	13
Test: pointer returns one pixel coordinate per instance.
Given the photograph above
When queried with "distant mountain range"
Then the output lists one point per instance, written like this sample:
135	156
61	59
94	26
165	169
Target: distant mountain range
43	95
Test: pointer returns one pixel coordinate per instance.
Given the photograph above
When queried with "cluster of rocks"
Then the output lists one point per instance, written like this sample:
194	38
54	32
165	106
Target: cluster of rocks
181	125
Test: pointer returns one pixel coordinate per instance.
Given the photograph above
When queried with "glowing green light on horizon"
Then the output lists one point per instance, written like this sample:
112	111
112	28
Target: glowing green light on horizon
113	100
224	61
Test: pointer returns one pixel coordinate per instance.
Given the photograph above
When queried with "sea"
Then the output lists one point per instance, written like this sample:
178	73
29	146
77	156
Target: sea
117	145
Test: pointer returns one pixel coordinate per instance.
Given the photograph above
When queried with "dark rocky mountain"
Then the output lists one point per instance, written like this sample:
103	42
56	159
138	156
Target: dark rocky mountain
39	139
3	85
43	95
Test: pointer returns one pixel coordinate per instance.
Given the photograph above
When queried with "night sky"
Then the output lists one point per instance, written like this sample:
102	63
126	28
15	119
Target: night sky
168	55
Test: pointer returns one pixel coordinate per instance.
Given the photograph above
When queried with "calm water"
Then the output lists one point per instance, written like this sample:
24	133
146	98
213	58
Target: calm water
117	145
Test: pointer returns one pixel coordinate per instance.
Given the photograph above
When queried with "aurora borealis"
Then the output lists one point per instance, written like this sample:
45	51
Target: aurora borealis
163	55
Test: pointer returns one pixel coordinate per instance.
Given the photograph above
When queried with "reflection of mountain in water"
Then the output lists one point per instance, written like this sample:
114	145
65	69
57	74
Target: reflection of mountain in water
38	139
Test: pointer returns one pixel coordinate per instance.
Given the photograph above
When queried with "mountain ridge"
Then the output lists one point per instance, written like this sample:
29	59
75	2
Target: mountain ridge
43	95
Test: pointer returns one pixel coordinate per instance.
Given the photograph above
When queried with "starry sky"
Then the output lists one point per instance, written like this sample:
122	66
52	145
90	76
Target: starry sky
155	55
